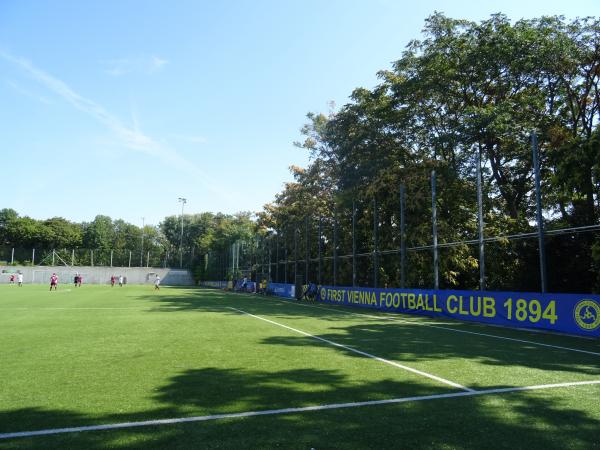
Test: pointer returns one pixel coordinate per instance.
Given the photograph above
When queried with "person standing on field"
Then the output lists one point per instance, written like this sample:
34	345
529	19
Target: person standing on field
53	281
20	279
157	283
121	280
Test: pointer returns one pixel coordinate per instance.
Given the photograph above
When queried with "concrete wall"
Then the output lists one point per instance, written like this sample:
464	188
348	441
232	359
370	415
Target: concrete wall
97	275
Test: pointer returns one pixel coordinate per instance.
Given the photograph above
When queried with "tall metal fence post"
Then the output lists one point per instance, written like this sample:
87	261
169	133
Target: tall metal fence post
307	252
335	244
538	205
277	258
261	252
375	243
353	243
285	263
148	260
436	280
129	258
295	254
72	257
92	257
33	257
402	240
480	224
12	256
111	258
320	246
53	254
270	260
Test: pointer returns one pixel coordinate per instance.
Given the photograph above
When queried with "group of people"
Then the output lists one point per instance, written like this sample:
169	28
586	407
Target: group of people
18	277
121	281
113	280
77	280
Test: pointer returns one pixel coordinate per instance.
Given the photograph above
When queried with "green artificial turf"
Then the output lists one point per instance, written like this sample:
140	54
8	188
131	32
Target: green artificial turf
100	355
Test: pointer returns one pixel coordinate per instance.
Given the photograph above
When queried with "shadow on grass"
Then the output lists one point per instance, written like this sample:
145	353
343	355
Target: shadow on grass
517	420
415	343
400	341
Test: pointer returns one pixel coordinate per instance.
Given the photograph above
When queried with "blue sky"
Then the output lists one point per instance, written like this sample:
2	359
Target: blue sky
119	107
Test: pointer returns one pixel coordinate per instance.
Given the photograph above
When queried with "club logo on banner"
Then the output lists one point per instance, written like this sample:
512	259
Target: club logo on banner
587	315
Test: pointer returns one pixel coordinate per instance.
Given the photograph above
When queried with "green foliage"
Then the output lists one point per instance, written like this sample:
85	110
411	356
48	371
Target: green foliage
465	88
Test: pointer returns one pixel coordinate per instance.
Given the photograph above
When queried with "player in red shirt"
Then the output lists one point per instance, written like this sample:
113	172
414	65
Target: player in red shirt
53	281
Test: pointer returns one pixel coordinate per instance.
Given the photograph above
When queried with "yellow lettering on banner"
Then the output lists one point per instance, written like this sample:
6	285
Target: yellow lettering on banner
472	310
420	304
427	307
461	310
373	300
388	300
396	300
436	308
335	295
403	295
411	301
451	309
489	307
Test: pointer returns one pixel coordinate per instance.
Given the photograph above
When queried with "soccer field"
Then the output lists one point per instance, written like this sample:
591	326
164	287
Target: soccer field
100	367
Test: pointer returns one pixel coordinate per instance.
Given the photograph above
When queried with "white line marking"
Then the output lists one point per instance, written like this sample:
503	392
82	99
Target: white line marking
291	410
426	324
149	308
383	360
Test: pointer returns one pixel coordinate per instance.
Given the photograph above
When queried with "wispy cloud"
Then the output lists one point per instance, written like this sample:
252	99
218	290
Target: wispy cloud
189	138
157	63
27	93
132	138
140	64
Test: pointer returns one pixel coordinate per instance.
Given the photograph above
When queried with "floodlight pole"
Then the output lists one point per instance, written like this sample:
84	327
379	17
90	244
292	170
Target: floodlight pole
183	202
142	250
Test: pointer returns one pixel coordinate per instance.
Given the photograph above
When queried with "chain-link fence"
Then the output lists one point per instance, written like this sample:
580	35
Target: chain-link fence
95	257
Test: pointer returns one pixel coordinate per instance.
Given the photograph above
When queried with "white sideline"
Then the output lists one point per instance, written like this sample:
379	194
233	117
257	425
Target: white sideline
383	360
289	410
433	325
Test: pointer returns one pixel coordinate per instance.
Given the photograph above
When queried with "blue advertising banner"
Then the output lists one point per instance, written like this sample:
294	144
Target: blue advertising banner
282	289
214	284
567	313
